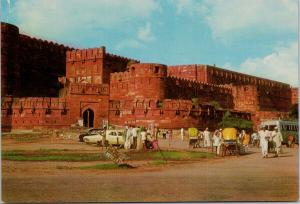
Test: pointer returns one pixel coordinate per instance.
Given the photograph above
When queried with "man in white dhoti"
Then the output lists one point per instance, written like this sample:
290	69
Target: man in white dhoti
264	138
128	138
206	134
277	139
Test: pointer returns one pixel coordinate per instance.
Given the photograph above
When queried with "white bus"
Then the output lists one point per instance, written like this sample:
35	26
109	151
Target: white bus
285	127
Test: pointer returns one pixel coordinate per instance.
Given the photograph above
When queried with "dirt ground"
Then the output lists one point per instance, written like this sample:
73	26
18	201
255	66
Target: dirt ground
242	178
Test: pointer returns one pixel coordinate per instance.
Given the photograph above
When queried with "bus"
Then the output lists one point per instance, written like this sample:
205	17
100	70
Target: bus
284	126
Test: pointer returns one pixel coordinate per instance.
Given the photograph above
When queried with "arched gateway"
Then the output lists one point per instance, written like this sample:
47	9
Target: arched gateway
88	118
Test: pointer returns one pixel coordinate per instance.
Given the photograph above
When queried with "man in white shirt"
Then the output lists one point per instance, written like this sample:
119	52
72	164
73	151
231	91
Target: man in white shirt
127	144
134	136
255	139
264	138
217	141
144	137
206	134
277	139
182	133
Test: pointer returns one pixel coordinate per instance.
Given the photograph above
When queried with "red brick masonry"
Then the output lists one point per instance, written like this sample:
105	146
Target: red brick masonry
48	85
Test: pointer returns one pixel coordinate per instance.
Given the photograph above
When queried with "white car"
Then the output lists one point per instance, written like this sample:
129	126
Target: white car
113	137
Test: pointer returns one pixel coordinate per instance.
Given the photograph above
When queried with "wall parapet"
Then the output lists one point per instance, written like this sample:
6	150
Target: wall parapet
85	54
89	89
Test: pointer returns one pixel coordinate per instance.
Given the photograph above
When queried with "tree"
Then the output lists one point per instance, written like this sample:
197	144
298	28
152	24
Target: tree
230	121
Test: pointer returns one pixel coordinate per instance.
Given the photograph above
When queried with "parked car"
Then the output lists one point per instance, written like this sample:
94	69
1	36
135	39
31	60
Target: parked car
92	131
113	137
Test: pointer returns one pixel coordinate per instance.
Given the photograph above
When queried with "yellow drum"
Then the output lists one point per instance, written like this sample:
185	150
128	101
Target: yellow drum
229	134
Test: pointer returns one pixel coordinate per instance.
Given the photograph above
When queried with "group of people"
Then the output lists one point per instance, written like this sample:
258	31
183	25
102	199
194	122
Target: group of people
263	138
135	137
270	138
215	139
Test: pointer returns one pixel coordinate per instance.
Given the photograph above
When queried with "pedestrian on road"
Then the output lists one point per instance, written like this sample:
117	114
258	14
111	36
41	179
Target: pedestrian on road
104	137
206	134
144	136
217	141
182	133
255	139
264	139
277	138
134	137
127	144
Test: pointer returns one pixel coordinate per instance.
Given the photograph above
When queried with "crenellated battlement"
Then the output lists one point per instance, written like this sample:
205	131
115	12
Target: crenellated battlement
34	103
200	85
148	70
140	70
85	54
89	89
120	58
218	75
36	43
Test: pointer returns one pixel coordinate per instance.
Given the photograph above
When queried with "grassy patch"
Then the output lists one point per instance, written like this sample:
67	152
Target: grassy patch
68	155
181	155
50	155
53	158
171	155
103	167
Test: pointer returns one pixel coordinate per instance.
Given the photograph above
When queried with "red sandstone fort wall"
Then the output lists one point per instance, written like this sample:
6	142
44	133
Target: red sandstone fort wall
169	114
85	66
115	63
294	95
26	60
93	65
178	88
245	98
123	90
140	81
94	97
10	70
190	72
31	112
270	95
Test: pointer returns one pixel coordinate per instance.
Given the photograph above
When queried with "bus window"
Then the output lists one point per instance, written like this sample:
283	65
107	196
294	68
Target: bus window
271	127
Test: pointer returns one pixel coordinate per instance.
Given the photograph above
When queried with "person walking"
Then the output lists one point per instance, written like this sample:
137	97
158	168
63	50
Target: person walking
134	137
255	139
182	133
144	137
246	140
217	141
104	137
206	134
264	139
277	139
128	138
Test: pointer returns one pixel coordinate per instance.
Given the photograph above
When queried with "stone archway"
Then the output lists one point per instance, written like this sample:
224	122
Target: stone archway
88	118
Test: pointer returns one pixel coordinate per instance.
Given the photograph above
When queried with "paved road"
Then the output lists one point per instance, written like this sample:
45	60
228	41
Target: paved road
244	178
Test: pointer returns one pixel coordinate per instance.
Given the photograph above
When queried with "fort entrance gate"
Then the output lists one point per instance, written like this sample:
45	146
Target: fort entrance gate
88	118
